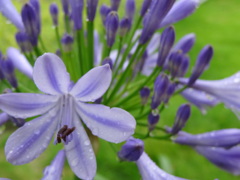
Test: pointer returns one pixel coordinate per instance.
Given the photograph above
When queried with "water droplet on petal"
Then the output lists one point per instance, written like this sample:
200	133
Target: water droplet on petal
74	162
87	143
95	131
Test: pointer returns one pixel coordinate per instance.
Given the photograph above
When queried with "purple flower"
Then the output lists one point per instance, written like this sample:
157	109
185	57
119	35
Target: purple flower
224	90
227	159
77	8
149	170
221	138
61	109
54	171
10	12
91	9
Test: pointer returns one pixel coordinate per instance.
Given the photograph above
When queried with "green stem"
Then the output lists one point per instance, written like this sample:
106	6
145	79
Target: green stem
80	48
42	43
119	51
67	24
58	39
37	51
90	36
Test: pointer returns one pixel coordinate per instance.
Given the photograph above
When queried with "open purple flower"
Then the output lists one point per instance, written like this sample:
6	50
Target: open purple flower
61	109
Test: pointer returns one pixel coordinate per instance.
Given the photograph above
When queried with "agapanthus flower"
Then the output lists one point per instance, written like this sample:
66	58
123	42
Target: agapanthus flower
61	108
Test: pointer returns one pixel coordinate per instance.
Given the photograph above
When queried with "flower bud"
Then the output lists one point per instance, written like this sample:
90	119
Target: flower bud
182	116
124	26
65	6
144	93
91	9
67	42
185	44
77	8
54	13
104	11
130	9
202	63
157	12
23	42
153	119
131	150
19	122
30	21
111	27
109	61
166	43
145	6
115	4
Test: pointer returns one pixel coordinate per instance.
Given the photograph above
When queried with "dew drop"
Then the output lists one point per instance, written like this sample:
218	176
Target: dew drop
87	143
37	132
95	131
74	162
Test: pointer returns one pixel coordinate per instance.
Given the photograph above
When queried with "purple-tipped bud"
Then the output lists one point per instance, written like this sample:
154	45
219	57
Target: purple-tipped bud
153	119
166	42
182	116
145	6
109	61
178	64
111	27
77	8
115	4
65	6
104	11
169	92
30	21
8	71
160	86
144	93
36	5
54	170
130	9
19	122
1	70
67	42
202	63
186	43
23	42
157	12
131	150
180	10
54	13
124	26
91	9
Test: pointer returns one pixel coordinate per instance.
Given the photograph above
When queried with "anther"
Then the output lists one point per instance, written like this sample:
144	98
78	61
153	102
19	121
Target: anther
63	133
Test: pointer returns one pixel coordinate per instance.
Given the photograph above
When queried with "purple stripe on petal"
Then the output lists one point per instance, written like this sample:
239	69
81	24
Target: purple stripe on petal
79	152
23	105
114	125
29	141
50	75
93	84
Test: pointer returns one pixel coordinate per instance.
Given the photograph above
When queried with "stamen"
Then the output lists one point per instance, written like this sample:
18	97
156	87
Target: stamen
63	133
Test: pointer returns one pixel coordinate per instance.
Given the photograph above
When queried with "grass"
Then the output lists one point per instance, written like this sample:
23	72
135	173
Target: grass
217	23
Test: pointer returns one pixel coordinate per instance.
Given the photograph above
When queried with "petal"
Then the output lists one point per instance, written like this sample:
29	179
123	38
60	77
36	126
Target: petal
50	74
3	118
149	170
114	125
19	61
93	84
79	152
23	105
29	141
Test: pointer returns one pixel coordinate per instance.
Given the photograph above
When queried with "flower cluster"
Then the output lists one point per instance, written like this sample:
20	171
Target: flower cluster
129	66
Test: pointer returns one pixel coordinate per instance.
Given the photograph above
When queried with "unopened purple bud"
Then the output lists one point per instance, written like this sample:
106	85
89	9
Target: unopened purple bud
130	9
144	93
109	61
131	150
160	86
36	5
91	9
30	21
23	42
202	63
115	4
145	7
98	101
166	42
111	27
124	26
153	119
58	53
77	8
179	11
157	12
54	13
67	42
182	116
65	6
1	70
8	71
19	122
169	92
186	43
104	11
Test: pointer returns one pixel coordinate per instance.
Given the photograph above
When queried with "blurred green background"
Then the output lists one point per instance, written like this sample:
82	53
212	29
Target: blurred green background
215	22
